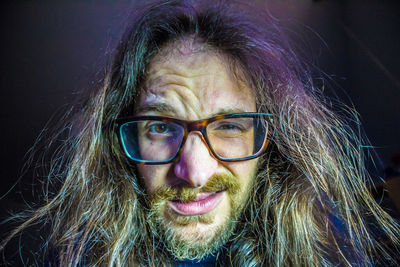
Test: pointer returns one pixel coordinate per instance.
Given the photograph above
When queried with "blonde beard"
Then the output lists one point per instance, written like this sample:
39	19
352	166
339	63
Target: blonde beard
200	244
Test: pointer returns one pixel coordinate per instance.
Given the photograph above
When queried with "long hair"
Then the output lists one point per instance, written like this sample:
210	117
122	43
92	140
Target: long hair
311	204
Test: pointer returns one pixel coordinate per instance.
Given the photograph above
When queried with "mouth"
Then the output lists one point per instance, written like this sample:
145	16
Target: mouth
203	203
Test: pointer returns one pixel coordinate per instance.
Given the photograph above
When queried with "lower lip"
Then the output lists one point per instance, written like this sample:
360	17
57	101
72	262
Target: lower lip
197	207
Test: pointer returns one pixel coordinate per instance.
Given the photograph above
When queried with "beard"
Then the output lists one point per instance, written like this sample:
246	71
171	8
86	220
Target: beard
196	236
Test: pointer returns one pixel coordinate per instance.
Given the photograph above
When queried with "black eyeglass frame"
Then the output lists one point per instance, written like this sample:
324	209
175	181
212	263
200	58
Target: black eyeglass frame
190	126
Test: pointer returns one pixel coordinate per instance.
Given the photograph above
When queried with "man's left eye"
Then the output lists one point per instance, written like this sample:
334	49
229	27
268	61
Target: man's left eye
230	127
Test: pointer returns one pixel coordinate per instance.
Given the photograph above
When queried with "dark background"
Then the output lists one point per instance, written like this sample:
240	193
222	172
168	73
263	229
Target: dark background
50	50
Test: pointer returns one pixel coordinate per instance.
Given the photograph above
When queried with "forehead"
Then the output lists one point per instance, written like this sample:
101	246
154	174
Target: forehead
192	81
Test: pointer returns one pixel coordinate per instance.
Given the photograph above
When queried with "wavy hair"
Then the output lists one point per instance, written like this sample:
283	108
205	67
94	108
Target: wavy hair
311	204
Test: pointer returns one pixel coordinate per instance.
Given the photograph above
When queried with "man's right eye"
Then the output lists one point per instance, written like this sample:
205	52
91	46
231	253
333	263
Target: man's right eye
159	128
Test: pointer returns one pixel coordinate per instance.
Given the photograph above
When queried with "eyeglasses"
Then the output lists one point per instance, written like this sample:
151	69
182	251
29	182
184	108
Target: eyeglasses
159	140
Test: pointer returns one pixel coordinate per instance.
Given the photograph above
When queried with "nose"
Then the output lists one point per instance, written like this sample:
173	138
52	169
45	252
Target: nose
195	164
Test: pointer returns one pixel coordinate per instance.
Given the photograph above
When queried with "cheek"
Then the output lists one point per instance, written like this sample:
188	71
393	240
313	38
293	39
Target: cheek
245	171
153	177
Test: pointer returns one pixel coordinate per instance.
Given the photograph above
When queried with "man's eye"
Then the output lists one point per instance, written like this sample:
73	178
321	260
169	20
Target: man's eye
230	127
160	128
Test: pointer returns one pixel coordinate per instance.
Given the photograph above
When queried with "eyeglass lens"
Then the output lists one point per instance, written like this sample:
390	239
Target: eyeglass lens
156	140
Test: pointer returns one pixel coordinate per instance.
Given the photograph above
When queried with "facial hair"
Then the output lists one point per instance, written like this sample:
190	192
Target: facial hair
162	220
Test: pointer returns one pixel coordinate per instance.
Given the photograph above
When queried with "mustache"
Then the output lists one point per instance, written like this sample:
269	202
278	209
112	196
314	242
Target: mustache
216	183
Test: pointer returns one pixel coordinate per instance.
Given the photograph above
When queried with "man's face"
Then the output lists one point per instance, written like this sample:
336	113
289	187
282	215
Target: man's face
187	84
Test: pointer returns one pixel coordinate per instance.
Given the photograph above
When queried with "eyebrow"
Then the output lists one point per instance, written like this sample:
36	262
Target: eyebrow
224	111
158	107
166	108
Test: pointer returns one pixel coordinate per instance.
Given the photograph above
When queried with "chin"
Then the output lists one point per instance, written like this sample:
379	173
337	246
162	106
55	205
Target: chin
194	237
197	240
198	231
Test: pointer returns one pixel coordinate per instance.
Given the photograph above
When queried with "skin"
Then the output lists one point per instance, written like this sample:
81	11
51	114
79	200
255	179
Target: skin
191	82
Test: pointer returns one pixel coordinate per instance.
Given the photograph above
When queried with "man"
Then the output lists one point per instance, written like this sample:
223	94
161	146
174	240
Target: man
208	145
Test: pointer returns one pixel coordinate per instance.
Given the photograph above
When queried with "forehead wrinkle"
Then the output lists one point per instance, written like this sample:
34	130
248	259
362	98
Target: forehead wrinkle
178	74
172	99
175	87
187	99
163	78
